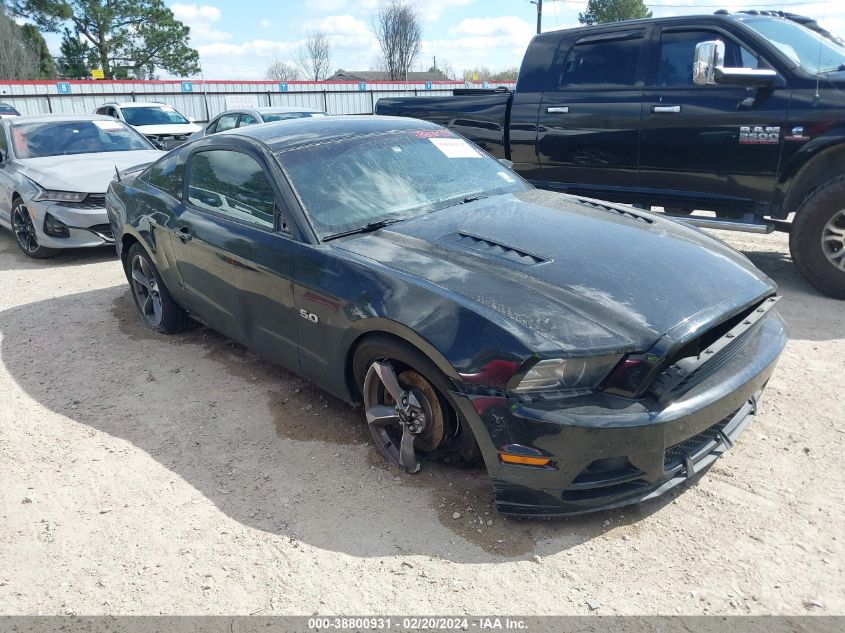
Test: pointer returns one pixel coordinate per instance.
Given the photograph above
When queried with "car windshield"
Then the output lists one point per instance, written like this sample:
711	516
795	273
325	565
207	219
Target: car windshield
284	116
153	115
349	184
55	138
810	50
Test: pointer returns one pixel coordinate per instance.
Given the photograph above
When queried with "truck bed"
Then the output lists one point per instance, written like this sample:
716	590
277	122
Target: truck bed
482	118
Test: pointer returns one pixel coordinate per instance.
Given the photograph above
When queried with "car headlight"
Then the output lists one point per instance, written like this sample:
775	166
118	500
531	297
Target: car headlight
59	196
567	374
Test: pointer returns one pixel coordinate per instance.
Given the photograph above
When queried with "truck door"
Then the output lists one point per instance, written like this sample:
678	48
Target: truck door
708	147
589	119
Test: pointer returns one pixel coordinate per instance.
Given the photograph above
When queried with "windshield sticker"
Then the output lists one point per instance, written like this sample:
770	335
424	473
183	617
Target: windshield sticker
505	176
759	134
455	148
434	134
108	125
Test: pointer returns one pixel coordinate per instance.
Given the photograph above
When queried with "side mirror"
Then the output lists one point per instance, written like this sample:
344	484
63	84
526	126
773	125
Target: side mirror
709	68
507	163
708	57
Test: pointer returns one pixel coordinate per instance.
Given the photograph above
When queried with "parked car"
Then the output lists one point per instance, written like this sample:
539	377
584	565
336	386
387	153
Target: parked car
162	124
7	111
395	264
742	114
231	119
54	171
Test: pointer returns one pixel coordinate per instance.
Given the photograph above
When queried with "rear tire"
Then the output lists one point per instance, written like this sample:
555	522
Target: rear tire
458	446
158	309
817	238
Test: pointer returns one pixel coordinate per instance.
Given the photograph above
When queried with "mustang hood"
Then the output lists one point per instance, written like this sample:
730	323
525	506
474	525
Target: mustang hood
87	173
580	273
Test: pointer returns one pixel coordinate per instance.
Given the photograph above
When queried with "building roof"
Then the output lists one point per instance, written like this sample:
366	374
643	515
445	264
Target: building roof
379	75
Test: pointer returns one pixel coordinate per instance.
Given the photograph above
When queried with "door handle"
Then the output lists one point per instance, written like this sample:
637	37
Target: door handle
558	109
675	109
183	234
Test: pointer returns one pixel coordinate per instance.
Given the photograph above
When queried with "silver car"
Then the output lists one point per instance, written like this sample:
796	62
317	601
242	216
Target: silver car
54	172
241	117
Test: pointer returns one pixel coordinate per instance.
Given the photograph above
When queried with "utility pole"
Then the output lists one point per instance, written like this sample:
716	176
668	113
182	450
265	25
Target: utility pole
539	4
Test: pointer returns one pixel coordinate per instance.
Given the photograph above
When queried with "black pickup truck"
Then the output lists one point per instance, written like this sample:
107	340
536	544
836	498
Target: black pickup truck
741	114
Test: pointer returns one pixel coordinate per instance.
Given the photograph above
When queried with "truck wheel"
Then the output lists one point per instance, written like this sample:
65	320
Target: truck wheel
817	238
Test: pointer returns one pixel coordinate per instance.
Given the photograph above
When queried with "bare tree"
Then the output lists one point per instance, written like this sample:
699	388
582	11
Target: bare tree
17	61
281	70
315	56
398	30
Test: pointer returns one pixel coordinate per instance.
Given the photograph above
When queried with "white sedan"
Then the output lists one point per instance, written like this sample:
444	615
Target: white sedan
54	172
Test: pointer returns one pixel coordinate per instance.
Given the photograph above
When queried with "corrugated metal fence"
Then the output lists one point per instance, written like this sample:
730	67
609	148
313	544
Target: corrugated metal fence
203	100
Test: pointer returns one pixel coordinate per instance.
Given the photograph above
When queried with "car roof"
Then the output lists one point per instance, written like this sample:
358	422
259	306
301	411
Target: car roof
710	17
284	135
134	104
58	118
270	110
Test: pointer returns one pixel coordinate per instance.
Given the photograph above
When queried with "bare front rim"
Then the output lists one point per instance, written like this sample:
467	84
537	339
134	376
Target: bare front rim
403	412
833	240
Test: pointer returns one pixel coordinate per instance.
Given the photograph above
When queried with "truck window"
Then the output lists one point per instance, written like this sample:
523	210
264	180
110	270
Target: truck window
677	53
602	63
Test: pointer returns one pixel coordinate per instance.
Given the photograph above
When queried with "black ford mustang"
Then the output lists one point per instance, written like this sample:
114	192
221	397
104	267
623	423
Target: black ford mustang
592	355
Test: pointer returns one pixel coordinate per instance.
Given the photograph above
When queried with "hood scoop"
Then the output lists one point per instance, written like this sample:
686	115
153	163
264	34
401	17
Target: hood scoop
595	204
489	247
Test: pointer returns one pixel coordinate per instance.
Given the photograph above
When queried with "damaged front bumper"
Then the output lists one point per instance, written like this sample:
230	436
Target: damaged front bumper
608	451
81	225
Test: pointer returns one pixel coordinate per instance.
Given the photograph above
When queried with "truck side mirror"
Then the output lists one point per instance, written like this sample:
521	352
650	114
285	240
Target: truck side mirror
708	57
709	68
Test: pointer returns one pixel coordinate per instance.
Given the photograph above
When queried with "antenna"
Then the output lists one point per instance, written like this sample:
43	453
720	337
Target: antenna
819	62
117	173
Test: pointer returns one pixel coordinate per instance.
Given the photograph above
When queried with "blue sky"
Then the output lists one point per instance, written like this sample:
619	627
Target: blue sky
237	39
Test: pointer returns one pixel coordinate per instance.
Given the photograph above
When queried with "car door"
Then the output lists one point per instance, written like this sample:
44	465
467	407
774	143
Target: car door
234	254
6	180
718	146
589	119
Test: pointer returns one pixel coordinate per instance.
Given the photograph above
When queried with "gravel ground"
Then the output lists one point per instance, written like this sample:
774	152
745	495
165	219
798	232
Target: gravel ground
144	474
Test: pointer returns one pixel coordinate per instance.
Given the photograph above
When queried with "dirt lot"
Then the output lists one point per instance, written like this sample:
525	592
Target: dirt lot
144	474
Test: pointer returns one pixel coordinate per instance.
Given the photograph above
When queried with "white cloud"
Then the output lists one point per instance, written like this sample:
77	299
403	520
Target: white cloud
265	24
326	6
201	18
189	13
492	42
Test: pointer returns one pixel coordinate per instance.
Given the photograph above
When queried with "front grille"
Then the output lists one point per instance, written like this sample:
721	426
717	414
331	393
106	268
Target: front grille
706	355
92	201
697	446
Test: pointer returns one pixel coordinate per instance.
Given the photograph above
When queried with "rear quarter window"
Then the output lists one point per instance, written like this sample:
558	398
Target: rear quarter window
611	62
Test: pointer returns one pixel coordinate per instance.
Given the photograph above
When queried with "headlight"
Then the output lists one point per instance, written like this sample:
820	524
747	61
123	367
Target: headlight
565	374
59	196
